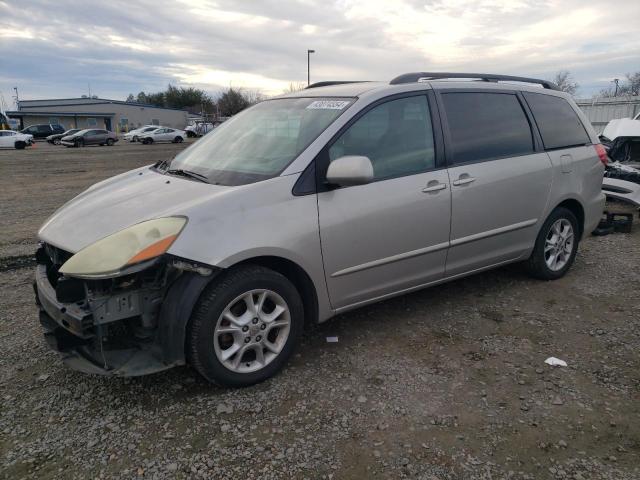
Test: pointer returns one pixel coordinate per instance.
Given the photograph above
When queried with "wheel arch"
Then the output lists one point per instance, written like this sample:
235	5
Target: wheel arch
296	275
577	209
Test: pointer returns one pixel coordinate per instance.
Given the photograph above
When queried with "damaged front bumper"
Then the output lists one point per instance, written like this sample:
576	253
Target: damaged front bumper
127	326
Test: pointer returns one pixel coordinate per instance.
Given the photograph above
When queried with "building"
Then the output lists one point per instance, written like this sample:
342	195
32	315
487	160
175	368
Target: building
114	115
601	111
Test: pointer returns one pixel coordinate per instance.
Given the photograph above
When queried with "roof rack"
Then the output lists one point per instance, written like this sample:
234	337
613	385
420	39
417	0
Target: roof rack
485	77
333	82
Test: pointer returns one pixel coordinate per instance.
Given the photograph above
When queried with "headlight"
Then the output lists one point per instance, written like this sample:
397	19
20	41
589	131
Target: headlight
136	244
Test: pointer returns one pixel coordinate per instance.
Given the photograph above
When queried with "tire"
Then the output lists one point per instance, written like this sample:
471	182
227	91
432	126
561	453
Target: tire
135	138
20	145
147	141
56	141
109	142
227	294
538	265
190	134
178	140
79	143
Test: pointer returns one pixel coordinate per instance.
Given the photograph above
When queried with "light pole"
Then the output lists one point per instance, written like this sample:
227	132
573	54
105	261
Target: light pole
616	81
309	52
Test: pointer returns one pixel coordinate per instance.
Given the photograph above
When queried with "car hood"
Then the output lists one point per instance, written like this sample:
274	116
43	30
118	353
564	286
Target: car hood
70	137
119	202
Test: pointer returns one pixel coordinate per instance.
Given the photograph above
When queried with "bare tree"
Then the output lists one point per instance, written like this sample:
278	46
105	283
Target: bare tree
629	86
295	87
564	80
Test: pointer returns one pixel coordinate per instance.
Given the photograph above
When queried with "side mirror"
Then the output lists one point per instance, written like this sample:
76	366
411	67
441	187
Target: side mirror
350	170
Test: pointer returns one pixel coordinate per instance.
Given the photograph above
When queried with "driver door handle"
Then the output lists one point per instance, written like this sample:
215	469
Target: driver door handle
434	186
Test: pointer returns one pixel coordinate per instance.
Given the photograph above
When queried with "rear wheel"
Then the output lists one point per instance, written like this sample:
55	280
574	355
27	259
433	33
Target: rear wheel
556	246
147	141
245	327
178	139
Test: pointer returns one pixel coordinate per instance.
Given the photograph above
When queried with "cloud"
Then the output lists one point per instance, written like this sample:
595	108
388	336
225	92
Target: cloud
57	49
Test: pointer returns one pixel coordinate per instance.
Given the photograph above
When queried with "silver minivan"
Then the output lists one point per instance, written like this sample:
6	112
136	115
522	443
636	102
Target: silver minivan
311	204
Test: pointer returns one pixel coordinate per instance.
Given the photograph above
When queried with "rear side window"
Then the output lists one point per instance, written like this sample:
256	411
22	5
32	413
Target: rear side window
484	126
557	121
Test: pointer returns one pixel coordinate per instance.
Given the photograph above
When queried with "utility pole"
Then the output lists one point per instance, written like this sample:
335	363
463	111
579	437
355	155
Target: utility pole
616	81
15	89
309	52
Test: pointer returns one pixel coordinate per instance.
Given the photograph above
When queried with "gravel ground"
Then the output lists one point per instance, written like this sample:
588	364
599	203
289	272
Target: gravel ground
447	383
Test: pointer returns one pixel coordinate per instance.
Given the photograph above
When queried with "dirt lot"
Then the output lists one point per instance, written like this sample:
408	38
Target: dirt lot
448	383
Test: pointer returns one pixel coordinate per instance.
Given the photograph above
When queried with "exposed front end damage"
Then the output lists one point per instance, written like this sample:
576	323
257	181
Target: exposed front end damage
130	325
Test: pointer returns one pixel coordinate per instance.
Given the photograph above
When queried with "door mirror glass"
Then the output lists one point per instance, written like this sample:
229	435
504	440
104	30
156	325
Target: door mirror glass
350	170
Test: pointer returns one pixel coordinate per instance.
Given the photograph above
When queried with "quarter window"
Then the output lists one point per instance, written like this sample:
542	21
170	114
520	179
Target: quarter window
485	126
397	136
558	123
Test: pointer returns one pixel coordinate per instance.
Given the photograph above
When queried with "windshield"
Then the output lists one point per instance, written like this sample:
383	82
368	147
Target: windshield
71	132
261	141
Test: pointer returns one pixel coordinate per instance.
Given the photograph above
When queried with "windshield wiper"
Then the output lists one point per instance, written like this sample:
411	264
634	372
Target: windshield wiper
188	174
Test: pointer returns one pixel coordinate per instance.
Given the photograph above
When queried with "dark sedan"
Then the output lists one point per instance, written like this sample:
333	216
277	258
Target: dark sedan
89	137
56	138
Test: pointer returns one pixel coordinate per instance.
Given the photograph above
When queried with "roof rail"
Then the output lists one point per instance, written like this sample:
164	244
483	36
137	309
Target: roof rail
333	82
485	77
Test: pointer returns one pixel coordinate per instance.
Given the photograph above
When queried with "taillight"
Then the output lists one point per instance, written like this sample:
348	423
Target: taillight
602	154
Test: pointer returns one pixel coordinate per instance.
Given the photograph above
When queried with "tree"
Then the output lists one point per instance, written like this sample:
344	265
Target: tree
232	101
130	98
564	80
295	87
192	99
628	86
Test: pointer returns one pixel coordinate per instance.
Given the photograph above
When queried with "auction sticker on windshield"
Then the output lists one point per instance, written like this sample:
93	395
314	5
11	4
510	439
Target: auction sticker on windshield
328	105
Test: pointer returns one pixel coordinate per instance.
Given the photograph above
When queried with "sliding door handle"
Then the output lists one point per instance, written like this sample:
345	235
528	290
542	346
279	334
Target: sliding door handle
463	180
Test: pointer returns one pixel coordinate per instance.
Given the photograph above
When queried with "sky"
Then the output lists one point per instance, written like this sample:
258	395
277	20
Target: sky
64	48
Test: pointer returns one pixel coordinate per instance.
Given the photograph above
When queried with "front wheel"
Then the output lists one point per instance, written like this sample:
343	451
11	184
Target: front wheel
110	142
20	145
245	327
56	141
556	246
79	143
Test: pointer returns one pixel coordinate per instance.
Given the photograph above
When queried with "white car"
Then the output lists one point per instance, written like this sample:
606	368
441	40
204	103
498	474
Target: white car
13	139
164	134
135	135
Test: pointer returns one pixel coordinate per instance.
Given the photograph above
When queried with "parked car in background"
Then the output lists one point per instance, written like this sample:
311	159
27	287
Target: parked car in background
89	137
163	134
13	139
308	205
42	131
55	139
134	135
198	129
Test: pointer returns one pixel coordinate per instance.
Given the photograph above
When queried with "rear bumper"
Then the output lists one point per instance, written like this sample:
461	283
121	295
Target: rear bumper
593	214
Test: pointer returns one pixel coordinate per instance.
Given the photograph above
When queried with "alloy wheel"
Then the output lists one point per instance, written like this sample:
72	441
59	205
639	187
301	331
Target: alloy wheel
252	331
559	244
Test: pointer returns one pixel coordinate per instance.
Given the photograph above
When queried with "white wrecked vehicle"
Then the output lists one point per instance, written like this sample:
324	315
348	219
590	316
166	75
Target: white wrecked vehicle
621	138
